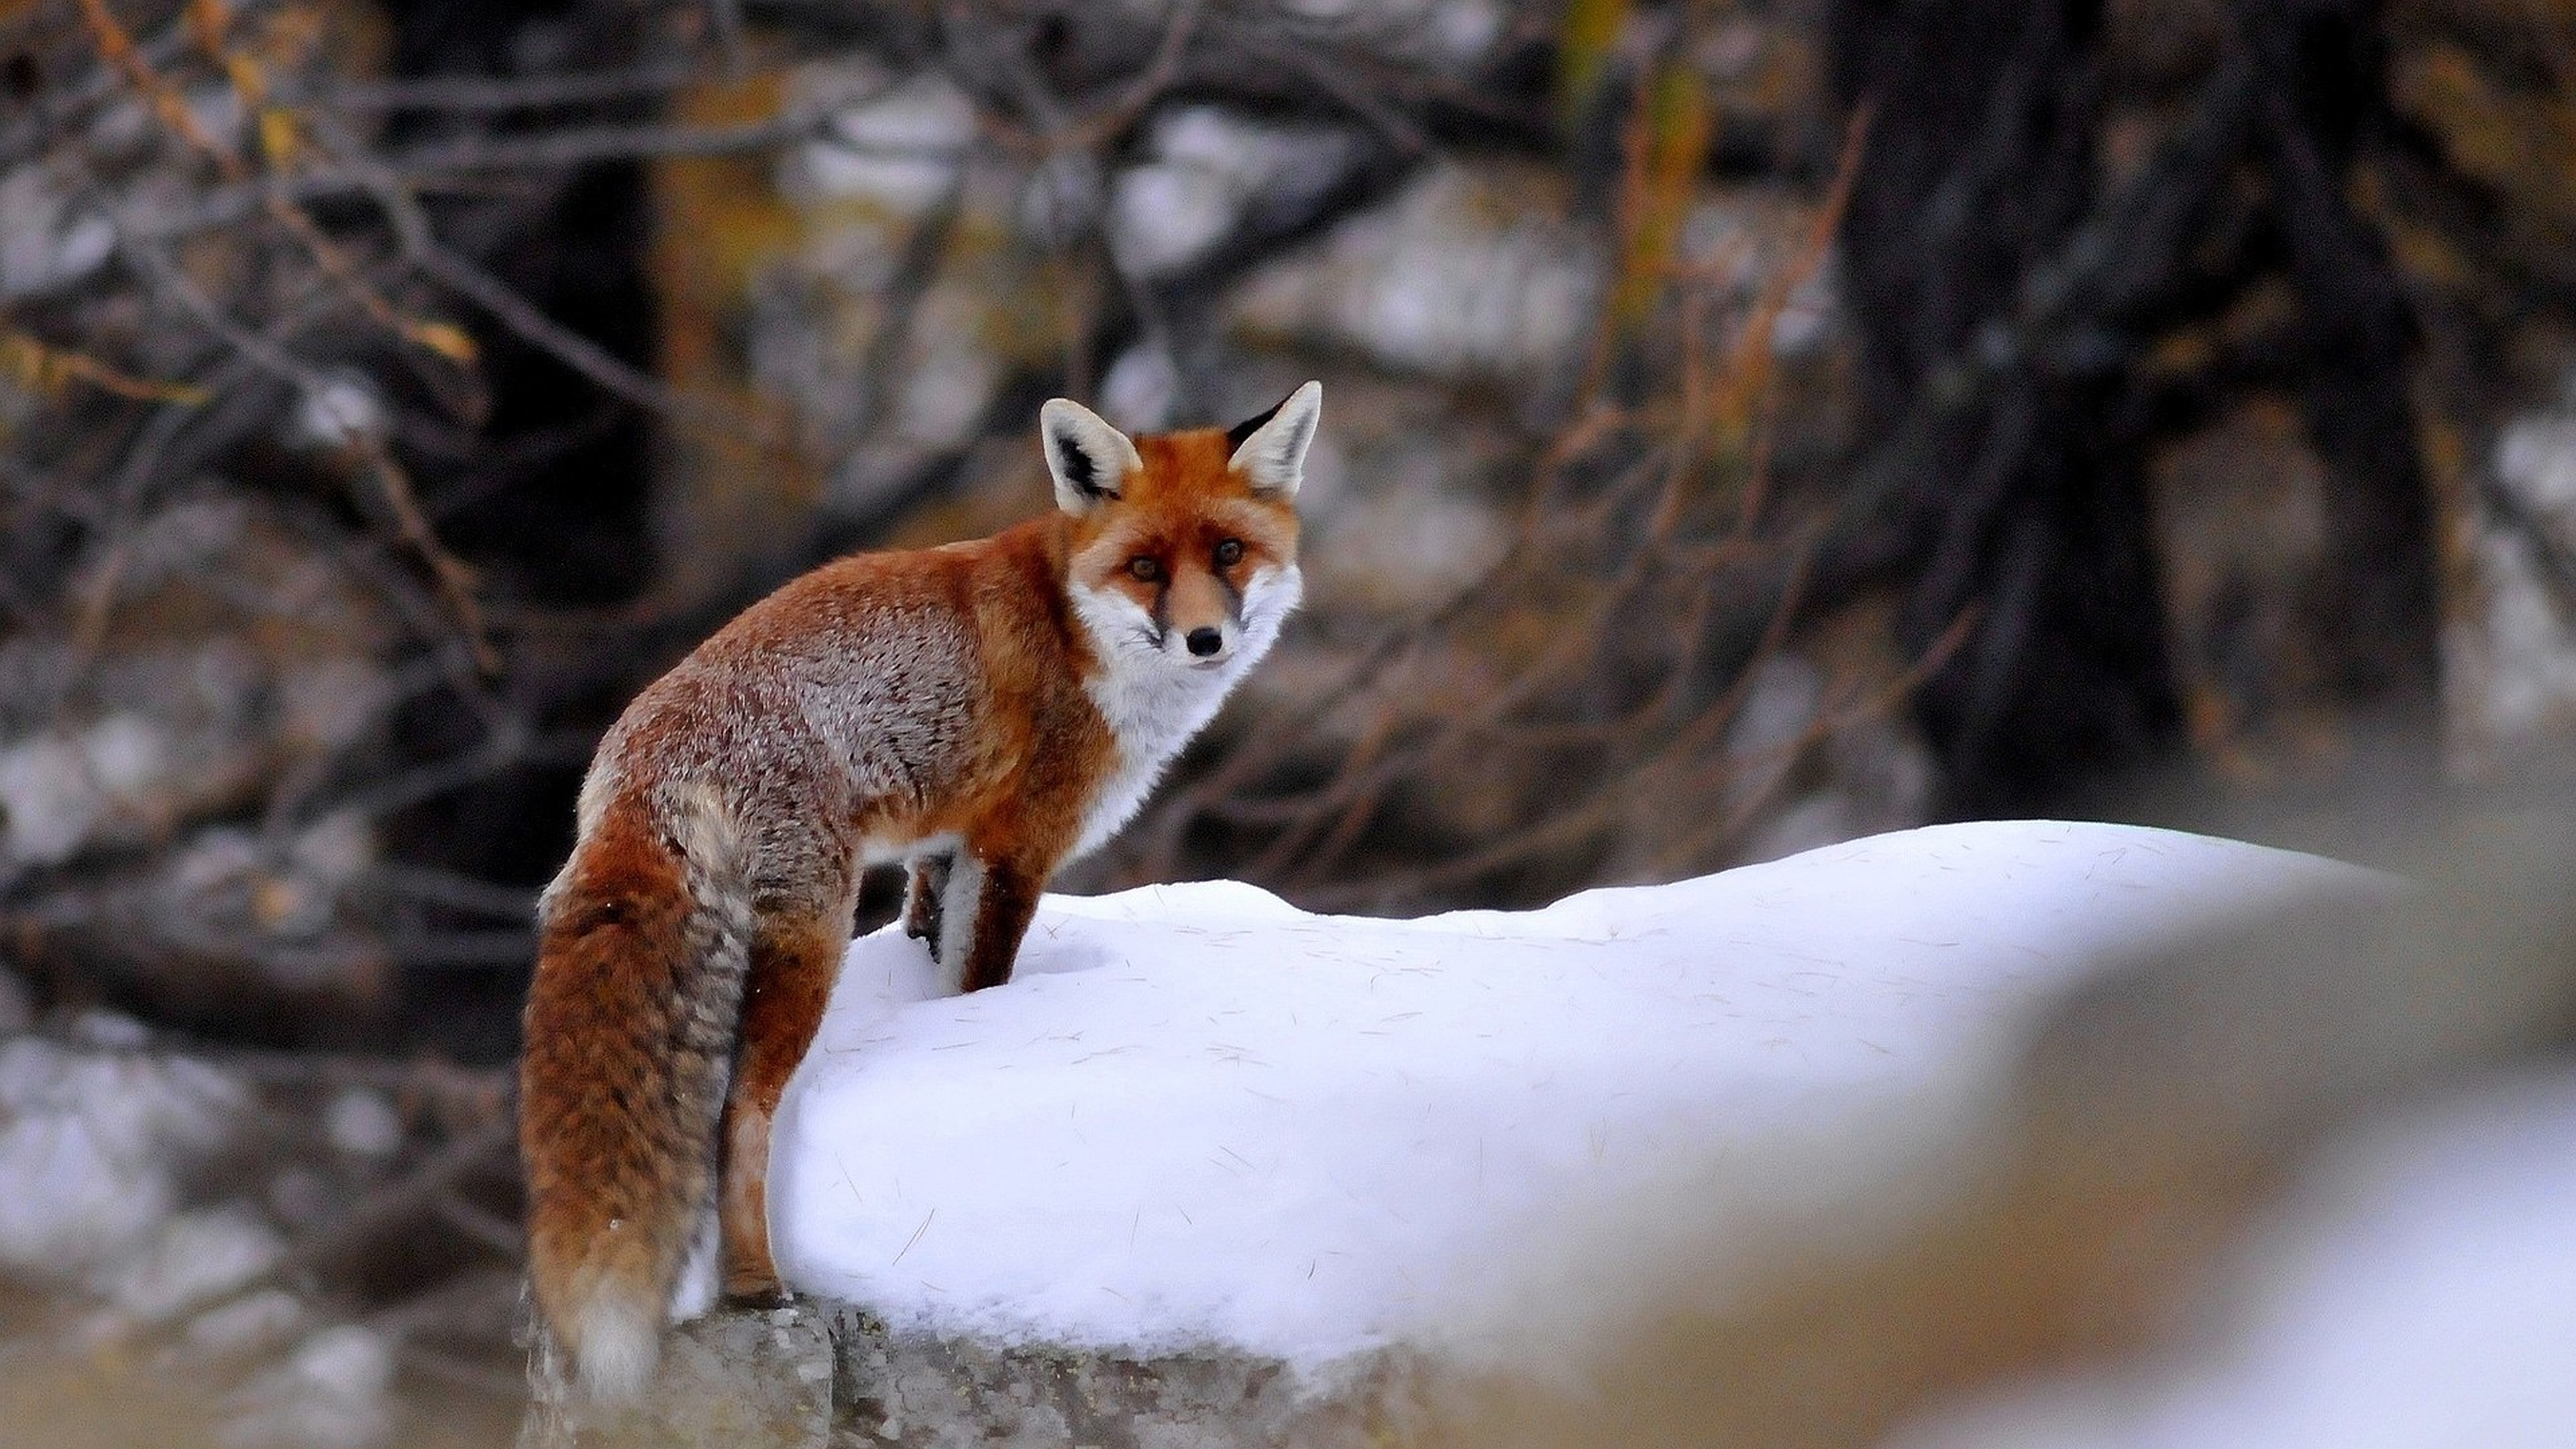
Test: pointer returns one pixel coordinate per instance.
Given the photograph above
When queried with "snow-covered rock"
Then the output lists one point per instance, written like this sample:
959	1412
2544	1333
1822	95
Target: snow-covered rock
1201	1119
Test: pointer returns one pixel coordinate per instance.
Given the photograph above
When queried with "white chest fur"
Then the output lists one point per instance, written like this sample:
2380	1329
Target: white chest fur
1155	698
1151	724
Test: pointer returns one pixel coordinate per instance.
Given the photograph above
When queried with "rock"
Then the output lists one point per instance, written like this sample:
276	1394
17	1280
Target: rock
921	1390
822	1373
755	1380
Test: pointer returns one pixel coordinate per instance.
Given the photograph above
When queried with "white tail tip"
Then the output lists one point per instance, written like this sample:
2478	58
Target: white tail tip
621	1343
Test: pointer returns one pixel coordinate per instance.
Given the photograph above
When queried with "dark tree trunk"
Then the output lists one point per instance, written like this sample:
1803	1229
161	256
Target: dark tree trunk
2005	309
2027	505
555	507
2323	65
552	501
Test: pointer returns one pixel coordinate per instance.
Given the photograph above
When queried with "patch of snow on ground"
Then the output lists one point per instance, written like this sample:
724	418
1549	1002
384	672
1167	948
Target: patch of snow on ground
363	1124
198	1257
1200	1115
330	1394
103	1134
2417	1289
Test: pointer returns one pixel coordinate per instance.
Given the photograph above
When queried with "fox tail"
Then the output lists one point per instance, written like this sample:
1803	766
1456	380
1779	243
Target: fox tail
644	942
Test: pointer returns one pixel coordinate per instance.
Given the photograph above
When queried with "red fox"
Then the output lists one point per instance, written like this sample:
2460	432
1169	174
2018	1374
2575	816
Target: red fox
985	711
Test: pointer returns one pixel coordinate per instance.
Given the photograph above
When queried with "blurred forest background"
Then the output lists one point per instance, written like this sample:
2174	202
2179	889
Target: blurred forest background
1750	424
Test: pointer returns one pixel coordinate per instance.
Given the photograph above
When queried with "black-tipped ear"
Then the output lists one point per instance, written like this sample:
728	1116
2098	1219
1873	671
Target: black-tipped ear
1088	459
1235	435
1270	450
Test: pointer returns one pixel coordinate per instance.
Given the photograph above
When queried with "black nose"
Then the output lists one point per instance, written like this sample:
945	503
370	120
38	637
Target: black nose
1204	642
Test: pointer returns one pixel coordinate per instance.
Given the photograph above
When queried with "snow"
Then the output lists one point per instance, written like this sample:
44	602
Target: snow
1200	1117
1457	275
248	1324
107	1136
1206	167
2417	1289
329	1394
341	410
198	1257
363	1124
47	243
102	1138
894	142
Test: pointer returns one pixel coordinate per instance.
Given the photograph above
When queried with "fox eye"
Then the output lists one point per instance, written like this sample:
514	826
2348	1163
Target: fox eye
1229	552
1145	570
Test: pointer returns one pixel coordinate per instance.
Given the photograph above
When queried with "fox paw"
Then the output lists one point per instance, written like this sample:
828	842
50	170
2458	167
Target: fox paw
753	1294
922	922
921	900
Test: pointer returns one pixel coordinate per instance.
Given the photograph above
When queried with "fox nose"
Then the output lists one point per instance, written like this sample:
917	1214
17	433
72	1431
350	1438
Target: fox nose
1204	641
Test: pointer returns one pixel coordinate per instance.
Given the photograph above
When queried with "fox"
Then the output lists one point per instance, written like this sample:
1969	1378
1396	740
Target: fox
981	712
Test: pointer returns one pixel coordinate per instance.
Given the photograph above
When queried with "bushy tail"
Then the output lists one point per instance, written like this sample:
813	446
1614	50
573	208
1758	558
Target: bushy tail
644	943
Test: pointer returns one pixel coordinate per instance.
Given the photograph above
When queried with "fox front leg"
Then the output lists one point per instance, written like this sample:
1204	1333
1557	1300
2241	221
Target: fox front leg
923	896
983	914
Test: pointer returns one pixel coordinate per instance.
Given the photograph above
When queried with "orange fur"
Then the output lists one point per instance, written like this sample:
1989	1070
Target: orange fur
987	709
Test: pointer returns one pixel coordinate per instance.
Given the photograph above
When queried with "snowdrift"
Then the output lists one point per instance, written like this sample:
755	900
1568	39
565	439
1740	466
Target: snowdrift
1199	1117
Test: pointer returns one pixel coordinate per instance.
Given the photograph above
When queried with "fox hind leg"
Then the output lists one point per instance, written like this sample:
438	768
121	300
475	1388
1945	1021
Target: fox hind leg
793	965
922	897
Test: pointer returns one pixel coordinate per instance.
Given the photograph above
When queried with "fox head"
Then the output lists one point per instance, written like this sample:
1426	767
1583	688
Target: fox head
1183	558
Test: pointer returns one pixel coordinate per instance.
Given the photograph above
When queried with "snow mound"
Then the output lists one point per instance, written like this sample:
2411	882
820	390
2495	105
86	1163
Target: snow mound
1199	1116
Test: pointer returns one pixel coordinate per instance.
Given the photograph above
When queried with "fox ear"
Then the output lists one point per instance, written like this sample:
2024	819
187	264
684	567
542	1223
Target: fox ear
1088	458
1270	450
